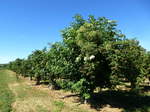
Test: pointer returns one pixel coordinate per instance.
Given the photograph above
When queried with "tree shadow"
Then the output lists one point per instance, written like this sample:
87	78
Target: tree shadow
145	88
129	101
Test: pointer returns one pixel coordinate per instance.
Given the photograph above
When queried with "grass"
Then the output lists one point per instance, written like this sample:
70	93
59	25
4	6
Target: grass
59	105
22	96
6	96
127	101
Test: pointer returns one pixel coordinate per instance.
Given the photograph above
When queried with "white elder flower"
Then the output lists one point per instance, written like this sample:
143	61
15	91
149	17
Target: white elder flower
78	59
92	57
85	58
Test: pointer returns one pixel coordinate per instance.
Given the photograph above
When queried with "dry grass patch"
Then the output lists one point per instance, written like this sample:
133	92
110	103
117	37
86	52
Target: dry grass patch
108	108
28	99
31	98
33	104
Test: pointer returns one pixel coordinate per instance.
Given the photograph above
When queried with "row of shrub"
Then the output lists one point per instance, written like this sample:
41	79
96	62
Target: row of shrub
92	54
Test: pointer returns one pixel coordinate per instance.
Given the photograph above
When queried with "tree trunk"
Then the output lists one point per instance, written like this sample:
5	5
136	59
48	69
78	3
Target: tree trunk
38	78
133	85
30	77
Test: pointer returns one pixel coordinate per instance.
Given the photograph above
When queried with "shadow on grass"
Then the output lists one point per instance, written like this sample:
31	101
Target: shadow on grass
146	88
129	101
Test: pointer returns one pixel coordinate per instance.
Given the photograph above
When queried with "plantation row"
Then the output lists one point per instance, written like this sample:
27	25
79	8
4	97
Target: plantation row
92	54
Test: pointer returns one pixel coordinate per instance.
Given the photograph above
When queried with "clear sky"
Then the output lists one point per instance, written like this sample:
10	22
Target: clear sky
26	25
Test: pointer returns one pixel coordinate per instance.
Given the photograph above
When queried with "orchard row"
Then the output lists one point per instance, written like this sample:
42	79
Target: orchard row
92	54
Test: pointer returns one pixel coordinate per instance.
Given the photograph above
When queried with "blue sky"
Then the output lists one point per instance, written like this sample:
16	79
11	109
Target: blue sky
26	25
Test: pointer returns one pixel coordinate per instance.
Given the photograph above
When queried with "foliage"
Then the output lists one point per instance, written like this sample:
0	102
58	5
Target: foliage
127	61
92	54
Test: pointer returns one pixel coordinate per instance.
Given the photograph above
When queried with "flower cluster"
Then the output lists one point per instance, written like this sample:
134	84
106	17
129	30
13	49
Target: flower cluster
89	58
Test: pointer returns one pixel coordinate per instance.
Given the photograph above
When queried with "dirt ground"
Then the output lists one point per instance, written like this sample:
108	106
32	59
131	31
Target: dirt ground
69	98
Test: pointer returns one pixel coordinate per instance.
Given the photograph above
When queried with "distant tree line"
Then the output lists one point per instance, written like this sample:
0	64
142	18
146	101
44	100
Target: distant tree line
3	66
92	54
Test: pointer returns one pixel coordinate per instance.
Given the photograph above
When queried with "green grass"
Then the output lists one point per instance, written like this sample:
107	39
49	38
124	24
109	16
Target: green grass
59	105
22	96
6	96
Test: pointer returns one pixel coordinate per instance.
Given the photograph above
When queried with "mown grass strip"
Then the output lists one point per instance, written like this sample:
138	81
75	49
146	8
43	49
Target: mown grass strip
19	95
6	96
